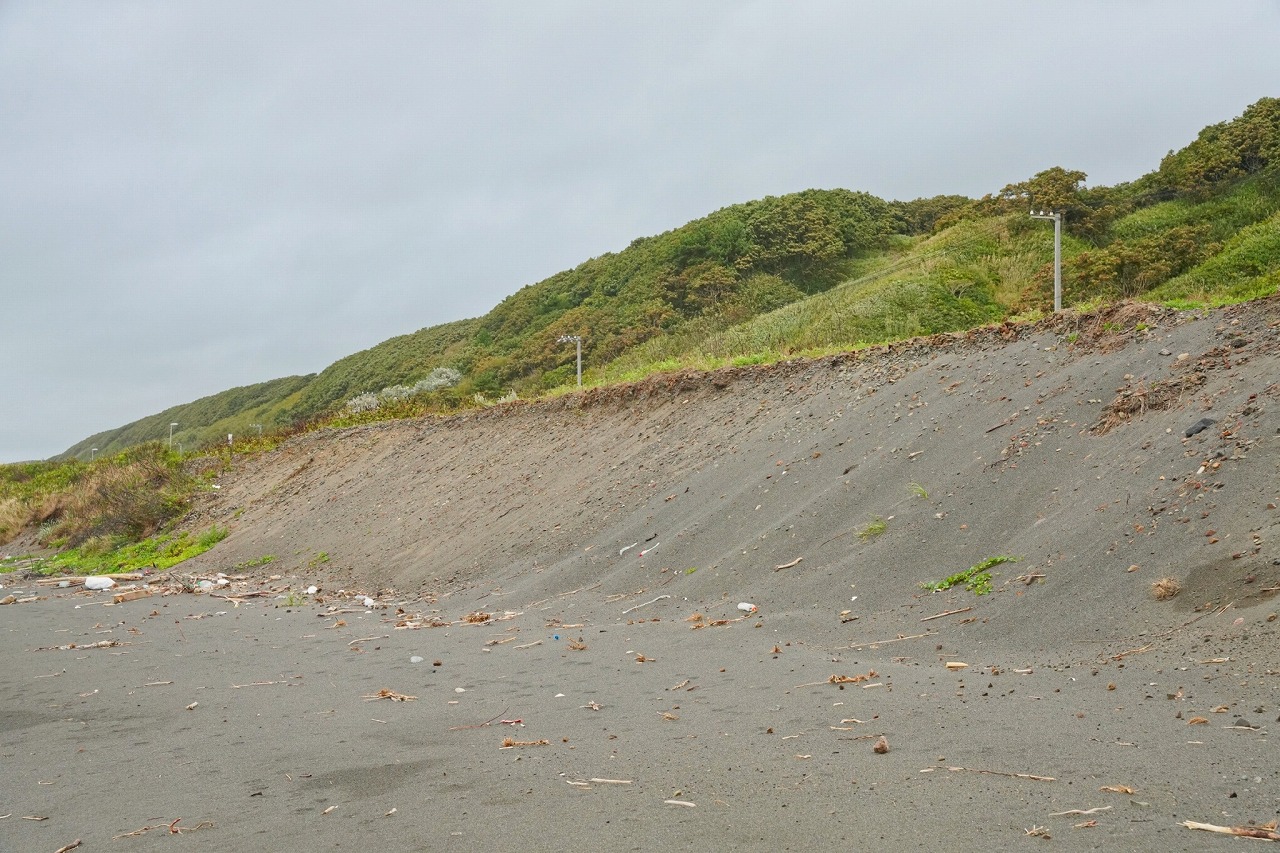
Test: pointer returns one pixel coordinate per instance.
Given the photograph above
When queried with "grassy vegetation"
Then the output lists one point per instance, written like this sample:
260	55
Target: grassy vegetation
873	529
107	515
109	554
976	579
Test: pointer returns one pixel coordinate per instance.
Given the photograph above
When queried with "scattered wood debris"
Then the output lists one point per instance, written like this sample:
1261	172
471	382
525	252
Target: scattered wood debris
717	623
511	743
101	644
842	679
173	828
385	693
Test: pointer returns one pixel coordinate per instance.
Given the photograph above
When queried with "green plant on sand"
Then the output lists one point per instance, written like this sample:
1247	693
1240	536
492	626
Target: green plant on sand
872	530
976	579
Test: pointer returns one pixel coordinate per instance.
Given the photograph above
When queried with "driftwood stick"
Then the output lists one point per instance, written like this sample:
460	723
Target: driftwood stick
893	640
946	613
1242	831
1000	773
368	639
794	562
638	606
1074	812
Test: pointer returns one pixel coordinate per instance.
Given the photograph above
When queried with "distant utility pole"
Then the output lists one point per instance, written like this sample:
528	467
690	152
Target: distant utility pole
1057	254
171	426
577	339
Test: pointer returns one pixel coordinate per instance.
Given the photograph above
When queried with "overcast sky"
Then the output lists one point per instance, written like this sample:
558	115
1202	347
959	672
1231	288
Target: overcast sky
200	195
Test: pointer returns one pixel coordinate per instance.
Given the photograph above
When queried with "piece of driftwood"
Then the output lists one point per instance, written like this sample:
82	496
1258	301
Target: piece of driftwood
1242	831
1031	776
1074	812
946	613
892	640
646	604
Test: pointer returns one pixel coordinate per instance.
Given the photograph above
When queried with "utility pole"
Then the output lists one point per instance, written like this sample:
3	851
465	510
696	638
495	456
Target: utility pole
1057	254
576	339
171	426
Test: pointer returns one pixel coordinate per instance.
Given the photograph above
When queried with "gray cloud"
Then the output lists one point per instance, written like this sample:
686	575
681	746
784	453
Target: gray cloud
200	195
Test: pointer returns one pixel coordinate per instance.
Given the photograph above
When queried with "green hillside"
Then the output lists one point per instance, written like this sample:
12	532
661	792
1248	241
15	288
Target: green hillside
813	271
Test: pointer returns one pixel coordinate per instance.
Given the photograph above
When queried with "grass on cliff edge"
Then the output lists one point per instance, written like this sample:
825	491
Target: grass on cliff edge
109	555
113	514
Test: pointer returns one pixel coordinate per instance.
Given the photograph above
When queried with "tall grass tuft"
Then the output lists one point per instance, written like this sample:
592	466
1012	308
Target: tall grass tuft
130	497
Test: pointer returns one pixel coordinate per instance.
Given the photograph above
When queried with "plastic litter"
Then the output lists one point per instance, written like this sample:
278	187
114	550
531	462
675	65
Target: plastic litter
748	607
312	590
368	602
416	659
204	584
98	582
647	550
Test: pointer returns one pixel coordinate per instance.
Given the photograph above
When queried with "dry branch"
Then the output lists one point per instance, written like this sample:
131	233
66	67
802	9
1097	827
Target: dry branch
946	613
894	640
1074	812
1000	773
646	604
1243	831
